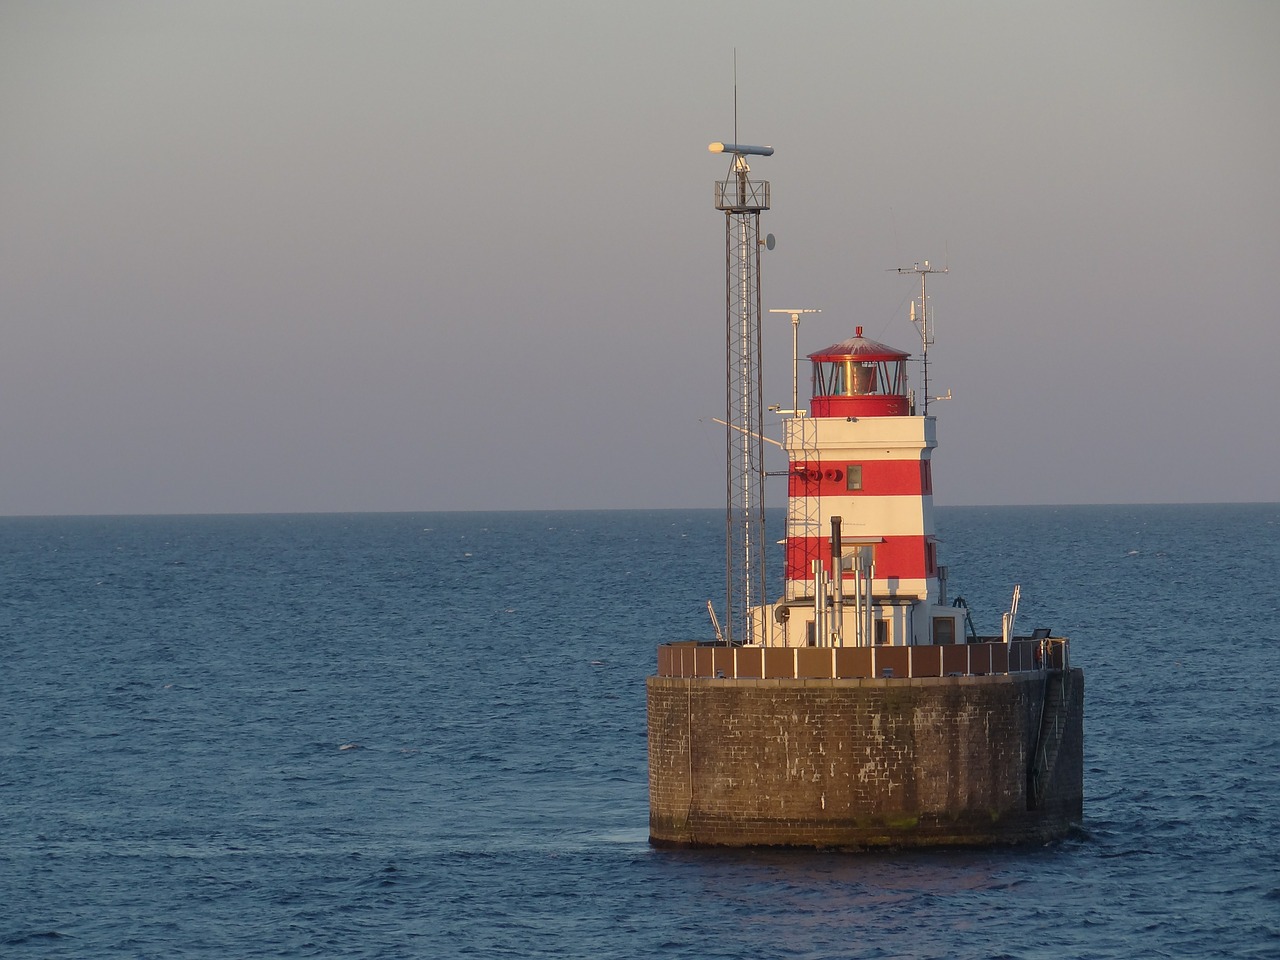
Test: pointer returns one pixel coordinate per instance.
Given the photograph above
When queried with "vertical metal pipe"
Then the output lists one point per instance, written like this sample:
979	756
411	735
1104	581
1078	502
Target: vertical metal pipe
837	591
795	364
866	610
858	637
819	603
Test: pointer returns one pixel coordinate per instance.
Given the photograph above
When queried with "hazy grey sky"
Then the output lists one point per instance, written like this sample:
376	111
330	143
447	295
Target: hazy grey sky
323	256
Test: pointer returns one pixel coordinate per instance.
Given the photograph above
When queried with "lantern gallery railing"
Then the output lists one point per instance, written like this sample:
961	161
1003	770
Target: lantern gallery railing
697	659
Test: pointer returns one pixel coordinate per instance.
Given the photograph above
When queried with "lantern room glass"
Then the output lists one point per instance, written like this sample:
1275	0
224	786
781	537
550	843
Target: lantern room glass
848	377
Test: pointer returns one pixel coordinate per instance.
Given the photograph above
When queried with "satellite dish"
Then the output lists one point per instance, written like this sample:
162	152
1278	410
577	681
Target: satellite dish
769	241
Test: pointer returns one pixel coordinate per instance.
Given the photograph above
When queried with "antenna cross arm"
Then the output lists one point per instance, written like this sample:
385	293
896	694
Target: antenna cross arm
749	433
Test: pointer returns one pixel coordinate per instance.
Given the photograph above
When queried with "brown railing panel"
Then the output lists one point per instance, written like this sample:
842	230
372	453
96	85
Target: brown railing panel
813	661
749	660
897	659
955	659
853	662
779	662
926	661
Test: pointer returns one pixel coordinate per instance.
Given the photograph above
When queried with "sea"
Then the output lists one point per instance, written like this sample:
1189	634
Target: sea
423	735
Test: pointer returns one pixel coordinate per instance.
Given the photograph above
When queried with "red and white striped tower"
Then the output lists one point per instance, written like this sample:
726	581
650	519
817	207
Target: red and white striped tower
860	489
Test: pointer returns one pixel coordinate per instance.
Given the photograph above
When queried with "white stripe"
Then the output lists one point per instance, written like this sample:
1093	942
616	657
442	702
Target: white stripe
905	516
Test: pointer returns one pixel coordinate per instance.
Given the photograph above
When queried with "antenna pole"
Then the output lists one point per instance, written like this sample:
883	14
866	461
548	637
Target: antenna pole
735	94
795	354
922	321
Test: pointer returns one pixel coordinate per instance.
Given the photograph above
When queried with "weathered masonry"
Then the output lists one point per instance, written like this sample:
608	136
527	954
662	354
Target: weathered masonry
865	763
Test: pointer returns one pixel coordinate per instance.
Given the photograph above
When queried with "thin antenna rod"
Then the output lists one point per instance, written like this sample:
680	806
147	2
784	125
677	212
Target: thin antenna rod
926	332
735	94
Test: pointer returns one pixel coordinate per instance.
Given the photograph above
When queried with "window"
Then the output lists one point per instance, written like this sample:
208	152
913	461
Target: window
865	555
882	632
853	476
944	630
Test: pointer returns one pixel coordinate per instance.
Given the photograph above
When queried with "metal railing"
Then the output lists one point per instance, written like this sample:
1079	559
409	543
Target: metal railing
742	195
698	659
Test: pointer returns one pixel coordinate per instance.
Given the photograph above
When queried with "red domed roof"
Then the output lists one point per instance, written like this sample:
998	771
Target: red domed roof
860	348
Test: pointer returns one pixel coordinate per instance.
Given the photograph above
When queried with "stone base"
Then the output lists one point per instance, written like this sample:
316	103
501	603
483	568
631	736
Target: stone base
865	764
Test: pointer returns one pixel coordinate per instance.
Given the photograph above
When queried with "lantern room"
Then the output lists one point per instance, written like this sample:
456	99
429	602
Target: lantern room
859	377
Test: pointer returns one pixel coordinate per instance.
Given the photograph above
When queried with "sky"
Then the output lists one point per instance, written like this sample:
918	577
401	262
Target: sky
298	255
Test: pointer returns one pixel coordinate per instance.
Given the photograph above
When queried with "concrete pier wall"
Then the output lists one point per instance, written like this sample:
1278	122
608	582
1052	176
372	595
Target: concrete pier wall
865	764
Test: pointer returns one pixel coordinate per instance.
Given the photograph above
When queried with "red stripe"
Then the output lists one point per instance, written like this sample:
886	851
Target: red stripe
906	558
880	478
864	406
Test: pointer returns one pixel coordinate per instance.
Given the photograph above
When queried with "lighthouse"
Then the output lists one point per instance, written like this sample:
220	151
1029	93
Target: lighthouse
861	553
855	707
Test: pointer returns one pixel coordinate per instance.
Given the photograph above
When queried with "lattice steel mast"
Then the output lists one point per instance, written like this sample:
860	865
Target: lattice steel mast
742	199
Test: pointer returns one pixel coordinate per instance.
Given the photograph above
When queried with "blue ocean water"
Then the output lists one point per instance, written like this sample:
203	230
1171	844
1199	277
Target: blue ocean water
423	735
